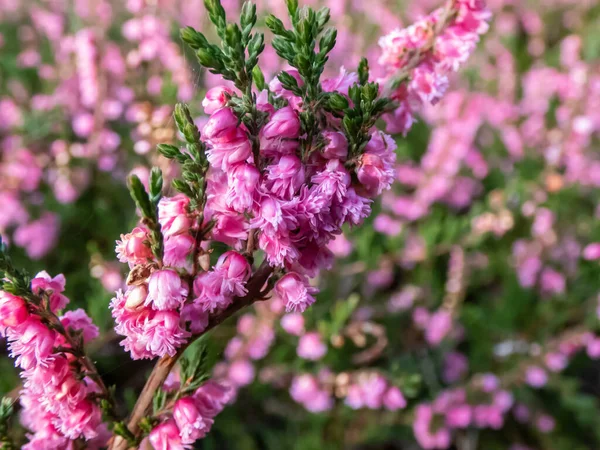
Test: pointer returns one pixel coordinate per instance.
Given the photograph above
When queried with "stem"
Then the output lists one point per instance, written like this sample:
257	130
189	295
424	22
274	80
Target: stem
166	363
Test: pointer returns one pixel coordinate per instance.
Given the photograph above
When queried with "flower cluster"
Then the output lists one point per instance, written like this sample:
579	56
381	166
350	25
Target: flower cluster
56	398
425	53
366	389
191	419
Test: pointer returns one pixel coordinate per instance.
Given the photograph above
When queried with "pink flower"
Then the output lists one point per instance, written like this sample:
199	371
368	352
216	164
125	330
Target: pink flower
196	316
536	377
305	390
165	290
163	334
192	426
133	248
224	154
293	323
242	181
374	175
216	98
39	236
592	251
545	423
173	215
459	416
221	127
13	311
336	146
438	327
556	361
593	348
393	399
422	427
166	437
310	346
286	177
78	320
341	83
209	292
33	344
283	124
240	372
295	291
55	286
177	251
235	270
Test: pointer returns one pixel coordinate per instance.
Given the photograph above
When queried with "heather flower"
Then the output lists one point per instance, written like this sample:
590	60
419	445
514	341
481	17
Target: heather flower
536	377
215	99
285	177
293	323
133	248
336	145
33	343
166	437
13	312
166	290
79	320
173	215
373	175
427	437
283	124
222	126
54	286
192	426
177	251
438	327
235	270
233	149
240	372
393	399
295	291
163	334
311	346
242	185
341	83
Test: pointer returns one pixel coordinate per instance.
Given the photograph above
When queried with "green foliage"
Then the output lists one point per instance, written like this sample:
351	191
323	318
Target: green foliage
148	206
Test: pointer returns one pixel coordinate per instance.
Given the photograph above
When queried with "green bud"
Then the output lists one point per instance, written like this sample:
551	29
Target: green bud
275	25
156	185
168	151
292	7
193	38
337	101
363	71
140	196
323	17
327	42
290	83
259	78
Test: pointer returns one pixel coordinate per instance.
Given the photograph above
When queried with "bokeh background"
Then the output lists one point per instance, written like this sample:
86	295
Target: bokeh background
474	284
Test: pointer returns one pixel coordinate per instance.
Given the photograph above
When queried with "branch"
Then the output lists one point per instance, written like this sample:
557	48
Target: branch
166	363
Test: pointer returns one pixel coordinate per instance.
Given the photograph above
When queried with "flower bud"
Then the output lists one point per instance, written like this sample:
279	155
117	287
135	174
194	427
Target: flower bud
283	124
136	297
166	436
216	98
222	126
234	266
372	174
189	420
132	247
336	146
13	311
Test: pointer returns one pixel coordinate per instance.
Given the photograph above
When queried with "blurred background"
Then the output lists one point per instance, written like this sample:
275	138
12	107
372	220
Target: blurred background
473	288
